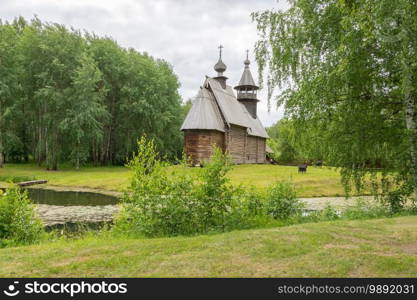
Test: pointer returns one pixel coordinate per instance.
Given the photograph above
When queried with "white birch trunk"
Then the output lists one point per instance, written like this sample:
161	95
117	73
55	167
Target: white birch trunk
1	153
410	121
1	140
410	114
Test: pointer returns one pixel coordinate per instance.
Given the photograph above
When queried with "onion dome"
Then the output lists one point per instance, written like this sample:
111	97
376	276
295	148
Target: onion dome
220	67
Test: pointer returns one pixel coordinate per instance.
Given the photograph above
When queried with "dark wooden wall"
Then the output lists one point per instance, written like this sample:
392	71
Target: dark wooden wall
252	150
199	144
243	148
261	154
236	144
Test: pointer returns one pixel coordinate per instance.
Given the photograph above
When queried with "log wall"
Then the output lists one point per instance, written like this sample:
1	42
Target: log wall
252	150
199	144
243	148
236	144
261	153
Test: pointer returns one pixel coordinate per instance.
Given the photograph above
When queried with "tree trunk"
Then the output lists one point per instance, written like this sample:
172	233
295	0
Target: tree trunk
77	161
1	142
412	133
410	113
1	153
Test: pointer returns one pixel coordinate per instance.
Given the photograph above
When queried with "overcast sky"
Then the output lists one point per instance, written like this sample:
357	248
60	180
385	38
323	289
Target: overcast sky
186	33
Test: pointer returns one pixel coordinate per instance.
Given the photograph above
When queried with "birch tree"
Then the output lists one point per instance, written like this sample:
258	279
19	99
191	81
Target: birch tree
347	70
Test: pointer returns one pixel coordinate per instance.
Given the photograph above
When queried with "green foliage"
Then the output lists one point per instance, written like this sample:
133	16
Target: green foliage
72	96
363	209
19	224
214	194
328	213
15	179
158	203
284	142
281	201
347	71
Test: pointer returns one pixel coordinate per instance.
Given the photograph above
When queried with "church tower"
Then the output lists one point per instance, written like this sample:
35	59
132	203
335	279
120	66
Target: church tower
220	67
247	89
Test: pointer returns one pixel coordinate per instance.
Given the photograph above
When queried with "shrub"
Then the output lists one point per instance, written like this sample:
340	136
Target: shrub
281	201
158	203
328	213
213	194
19	224
363	209
254	202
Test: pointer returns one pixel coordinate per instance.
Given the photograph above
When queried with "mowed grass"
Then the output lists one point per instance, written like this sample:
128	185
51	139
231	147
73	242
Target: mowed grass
315	183
108	178
366	248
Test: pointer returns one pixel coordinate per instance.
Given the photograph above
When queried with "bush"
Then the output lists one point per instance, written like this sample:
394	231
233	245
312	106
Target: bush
328	213
254	202
214	195
363	209
19	224
158	203
165	201
281	201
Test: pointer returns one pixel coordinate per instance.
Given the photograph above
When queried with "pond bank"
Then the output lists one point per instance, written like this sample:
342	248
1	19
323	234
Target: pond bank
52	215
76	189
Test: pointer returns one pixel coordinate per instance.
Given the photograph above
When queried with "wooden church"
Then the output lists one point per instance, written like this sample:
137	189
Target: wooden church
219	117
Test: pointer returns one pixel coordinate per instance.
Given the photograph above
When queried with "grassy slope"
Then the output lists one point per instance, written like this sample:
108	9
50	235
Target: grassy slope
317	182
381	248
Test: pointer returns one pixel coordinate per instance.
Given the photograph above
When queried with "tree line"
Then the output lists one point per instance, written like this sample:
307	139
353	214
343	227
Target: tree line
72	96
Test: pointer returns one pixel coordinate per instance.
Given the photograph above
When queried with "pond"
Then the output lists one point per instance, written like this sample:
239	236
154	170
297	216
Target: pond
70	198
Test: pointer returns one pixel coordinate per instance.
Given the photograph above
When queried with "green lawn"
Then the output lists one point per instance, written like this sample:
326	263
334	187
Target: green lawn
371	248
315	183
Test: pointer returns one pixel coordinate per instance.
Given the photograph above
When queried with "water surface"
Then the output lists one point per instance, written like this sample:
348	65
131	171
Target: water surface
69	198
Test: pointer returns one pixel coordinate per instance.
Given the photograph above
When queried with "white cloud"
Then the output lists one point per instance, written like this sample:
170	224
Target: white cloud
186	33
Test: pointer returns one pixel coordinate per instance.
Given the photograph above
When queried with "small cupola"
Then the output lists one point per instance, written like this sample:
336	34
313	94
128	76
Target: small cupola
247	89
220	67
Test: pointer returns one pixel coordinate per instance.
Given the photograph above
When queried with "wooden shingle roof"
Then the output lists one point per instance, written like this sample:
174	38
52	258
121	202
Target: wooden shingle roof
204	113
216	107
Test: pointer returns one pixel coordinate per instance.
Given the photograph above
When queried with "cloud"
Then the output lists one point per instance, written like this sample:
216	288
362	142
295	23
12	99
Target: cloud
186	33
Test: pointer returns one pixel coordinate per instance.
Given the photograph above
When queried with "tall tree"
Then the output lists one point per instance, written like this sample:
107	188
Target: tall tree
67	96
84	111
347	70
9	87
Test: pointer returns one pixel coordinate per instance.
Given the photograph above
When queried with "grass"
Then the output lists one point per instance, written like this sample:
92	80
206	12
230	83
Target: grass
366	248
315	183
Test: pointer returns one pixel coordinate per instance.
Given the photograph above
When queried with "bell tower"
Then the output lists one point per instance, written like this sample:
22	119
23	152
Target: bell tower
247	89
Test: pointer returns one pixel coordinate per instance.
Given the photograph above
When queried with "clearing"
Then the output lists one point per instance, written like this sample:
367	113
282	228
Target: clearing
317	182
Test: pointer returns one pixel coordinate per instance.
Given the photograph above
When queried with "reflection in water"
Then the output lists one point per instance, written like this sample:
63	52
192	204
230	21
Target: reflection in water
43	196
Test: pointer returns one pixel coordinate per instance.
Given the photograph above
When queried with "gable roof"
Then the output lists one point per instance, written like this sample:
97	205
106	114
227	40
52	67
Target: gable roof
214	106
204	113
